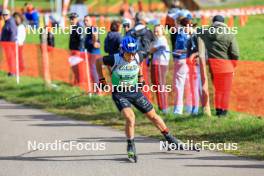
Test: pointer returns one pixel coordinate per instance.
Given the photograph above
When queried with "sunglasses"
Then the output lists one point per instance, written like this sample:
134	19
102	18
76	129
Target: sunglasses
126	26
72	18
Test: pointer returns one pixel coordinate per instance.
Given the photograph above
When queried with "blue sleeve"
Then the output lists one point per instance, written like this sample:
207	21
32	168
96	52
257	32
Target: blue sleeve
180	42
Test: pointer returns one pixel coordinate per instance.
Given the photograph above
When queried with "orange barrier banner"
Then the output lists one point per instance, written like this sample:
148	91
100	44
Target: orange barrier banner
248	91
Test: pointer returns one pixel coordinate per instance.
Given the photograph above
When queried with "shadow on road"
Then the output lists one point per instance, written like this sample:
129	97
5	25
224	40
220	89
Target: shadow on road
222	158
122	158
139	139
242	166
44	117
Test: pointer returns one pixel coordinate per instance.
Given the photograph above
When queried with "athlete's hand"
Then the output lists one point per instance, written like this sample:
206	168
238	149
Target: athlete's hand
194	59
102	83
97	45
141	81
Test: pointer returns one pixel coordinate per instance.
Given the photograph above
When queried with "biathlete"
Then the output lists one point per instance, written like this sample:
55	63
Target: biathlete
126	72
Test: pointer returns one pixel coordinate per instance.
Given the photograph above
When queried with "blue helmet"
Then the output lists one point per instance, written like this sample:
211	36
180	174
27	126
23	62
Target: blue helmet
129	44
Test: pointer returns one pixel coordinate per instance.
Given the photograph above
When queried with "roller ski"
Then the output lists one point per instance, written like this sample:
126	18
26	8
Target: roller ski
131	151
178	145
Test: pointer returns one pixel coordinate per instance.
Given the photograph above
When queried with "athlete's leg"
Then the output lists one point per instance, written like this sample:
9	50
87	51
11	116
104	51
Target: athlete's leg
130	127
130	122
159	123
156	120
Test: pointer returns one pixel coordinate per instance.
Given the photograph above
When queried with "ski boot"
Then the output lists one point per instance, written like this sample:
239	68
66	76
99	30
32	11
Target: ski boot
131	151
179	144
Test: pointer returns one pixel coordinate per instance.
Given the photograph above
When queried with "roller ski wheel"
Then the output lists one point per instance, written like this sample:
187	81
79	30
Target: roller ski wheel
132	157
179	145
131	151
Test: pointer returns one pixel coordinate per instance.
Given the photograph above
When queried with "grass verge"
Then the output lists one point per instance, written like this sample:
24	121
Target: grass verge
245	130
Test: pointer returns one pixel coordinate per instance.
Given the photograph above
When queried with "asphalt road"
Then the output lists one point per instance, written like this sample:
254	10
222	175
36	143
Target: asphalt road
21	126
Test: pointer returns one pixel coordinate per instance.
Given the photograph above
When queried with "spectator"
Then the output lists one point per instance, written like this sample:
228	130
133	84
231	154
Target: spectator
127	26
223	53
171	23
196	52
75	45
181	69
92	45
21	37
113	39
75	35
47	37
143	34
160	66
9	31
32	15
9	36
193	86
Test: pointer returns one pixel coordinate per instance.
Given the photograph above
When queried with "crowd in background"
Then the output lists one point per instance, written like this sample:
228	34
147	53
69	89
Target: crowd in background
14	30
185	48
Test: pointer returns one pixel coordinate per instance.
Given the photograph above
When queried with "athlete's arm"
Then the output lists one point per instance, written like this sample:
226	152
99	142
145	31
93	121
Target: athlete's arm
140	74
106	60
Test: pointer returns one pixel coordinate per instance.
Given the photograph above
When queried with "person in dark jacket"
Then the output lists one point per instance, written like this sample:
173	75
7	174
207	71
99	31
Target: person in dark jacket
223	53
9	37
76	44
113	39
75	36
9	31
143	34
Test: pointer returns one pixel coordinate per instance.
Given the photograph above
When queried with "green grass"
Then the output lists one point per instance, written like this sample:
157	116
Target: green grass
246	130
251	39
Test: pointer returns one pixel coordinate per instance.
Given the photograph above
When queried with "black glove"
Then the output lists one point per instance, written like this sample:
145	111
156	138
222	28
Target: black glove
141	82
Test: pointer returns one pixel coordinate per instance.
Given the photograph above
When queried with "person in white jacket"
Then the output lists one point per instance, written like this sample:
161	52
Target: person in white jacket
21	37
160	66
